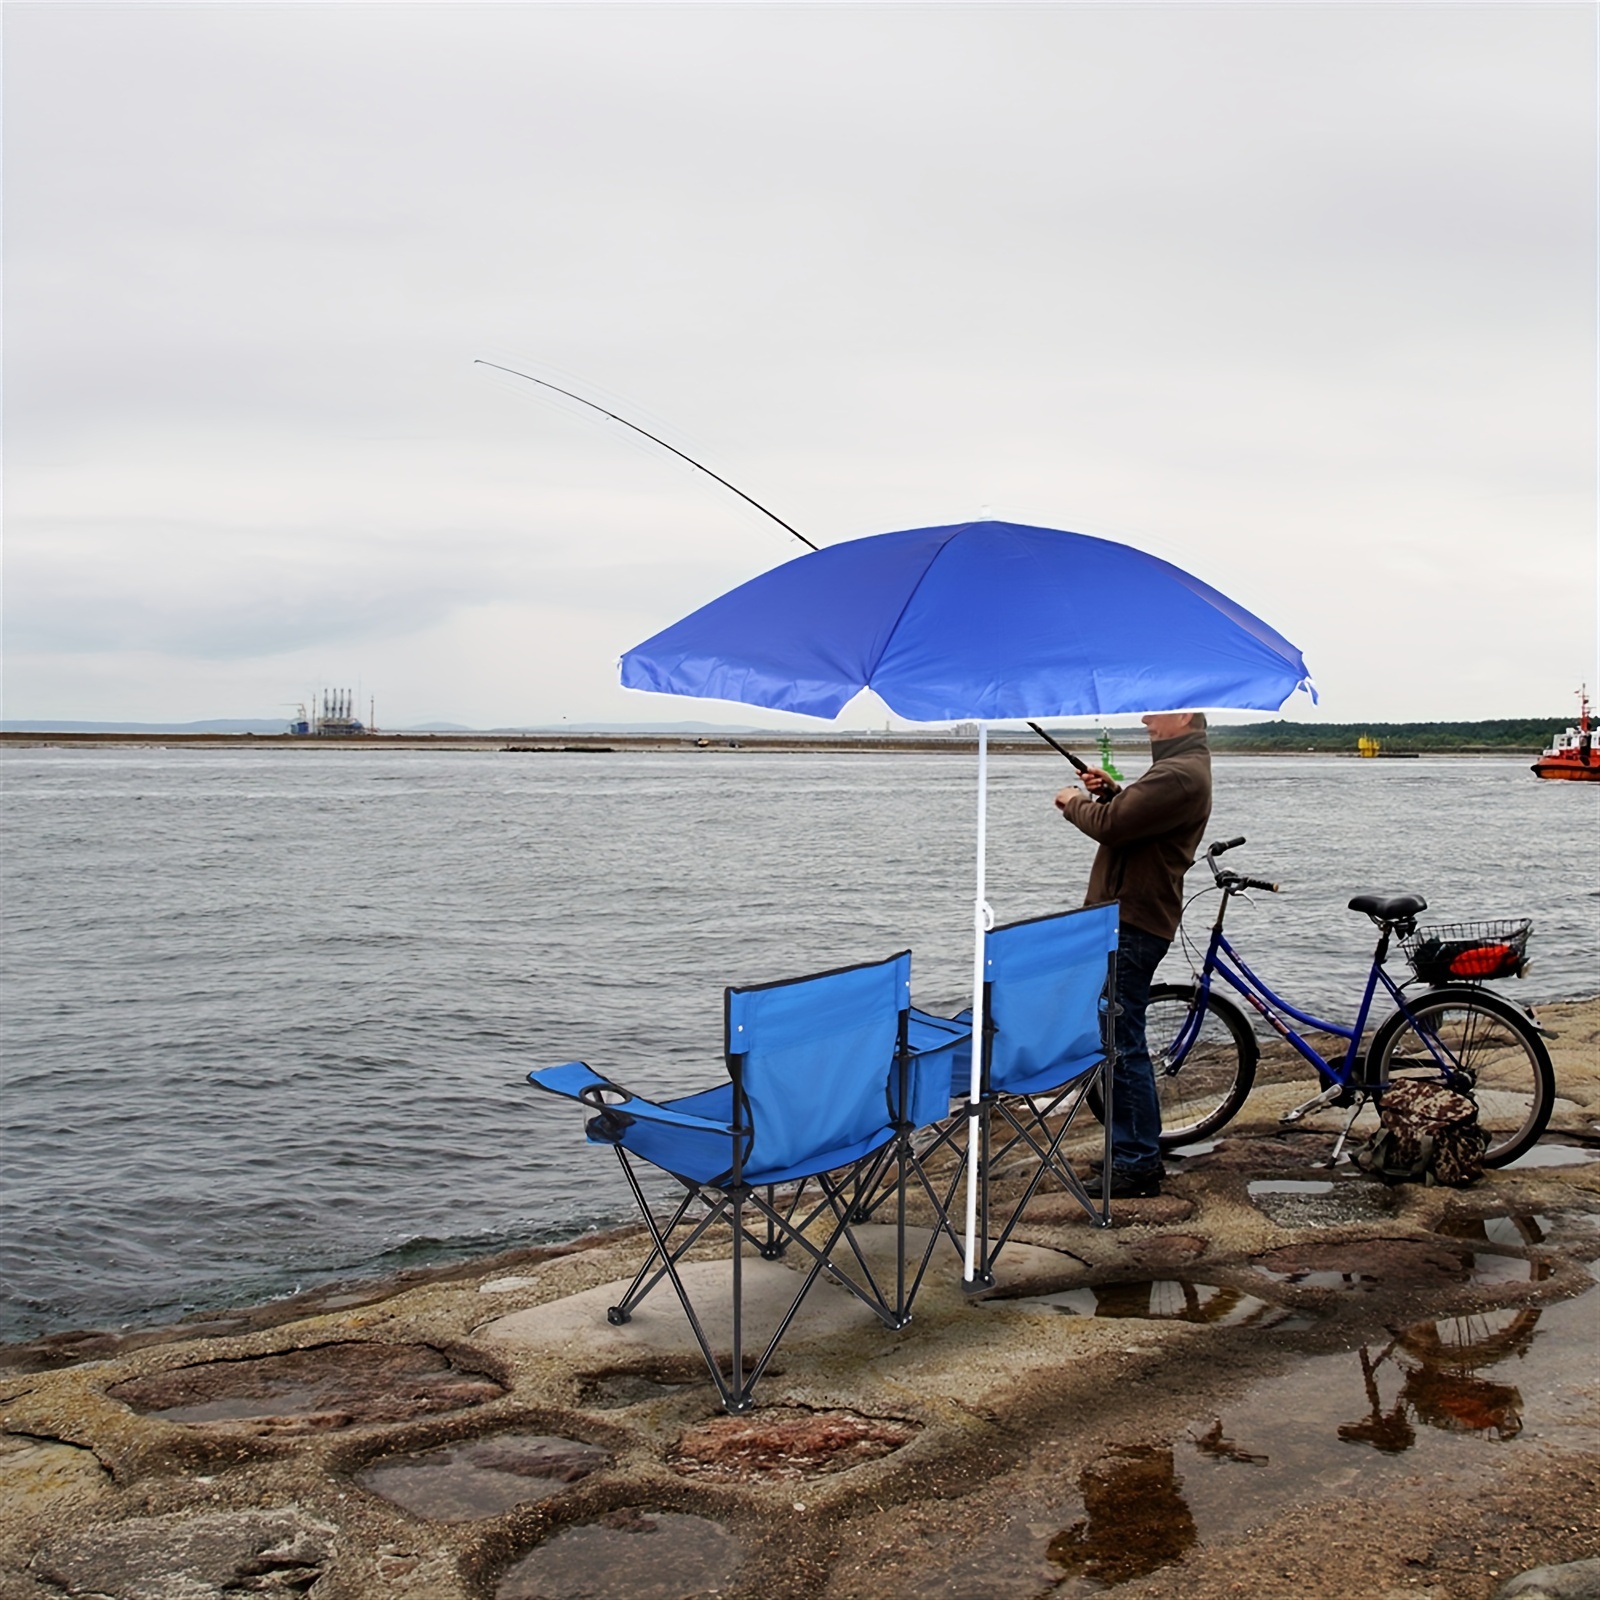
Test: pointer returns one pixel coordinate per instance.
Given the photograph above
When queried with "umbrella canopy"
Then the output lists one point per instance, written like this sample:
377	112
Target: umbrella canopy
982	620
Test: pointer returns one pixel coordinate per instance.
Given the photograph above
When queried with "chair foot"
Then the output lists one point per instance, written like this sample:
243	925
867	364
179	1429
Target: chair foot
773	1252
616	1316
979	1284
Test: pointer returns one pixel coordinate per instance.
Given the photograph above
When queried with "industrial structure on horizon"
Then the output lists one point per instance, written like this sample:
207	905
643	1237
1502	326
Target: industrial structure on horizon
336	719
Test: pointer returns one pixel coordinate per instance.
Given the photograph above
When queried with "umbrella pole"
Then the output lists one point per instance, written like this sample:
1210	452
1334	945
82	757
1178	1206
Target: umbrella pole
982	919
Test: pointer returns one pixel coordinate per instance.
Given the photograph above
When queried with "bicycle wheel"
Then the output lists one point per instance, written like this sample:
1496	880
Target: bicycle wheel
1202	1092
1491	1042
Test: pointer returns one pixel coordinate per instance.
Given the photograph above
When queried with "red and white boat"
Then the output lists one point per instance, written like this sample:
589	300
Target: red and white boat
1572	754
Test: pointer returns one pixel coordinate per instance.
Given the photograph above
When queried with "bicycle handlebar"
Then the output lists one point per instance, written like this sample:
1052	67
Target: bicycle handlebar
1233	880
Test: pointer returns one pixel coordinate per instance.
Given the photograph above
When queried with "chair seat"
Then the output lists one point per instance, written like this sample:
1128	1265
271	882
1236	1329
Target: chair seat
1061	1075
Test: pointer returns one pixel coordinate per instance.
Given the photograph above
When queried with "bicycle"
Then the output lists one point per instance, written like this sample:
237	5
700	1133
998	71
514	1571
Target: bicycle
1205	1052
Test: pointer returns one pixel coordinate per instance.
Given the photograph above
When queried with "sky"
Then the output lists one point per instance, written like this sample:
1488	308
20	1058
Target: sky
1299	297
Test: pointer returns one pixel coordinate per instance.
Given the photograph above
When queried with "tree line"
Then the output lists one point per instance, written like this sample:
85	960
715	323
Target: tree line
1509	734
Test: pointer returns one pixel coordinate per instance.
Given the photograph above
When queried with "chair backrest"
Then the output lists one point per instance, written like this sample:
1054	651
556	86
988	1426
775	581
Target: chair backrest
814	1056
1045	979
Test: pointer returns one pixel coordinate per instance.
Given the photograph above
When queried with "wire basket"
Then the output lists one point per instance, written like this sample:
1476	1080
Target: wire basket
1469	952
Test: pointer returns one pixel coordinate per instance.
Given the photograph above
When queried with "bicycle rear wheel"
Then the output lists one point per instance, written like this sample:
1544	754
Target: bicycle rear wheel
1493	1044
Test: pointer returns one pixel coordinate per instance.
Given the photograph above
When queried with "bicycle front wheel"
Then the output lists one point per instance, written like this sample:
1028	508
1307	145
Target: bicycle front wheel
1489	1041
1202	1091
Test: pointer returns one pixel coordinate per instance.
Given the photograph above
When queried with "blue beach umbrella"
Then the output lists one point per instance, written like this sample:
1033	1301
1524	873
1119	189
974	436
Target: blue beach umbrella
978	621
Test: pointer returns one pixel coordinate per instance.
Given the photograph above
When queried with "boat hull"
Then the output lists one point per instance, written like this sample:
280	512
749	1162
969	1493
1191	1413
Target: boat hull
1570	771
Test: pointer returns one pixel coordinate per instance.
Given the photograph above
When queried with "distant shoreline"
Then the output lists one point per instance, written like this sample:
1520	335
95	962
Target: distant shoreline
547	743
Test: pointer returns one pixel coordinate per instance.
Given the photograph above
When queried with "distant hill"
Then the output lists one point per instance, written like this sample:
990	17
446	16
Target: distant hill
279	724
216	725
1508	734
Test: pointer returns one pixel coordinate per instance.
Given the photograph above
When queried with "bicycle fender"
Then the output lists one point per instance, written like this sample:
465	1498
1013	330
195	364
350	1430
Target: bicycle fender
1478	992
1223	1002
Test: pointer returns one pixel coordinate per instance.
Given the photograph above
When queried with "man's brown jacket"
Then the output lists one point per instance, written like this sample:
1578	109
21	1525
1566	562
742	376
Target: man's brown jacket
1148	834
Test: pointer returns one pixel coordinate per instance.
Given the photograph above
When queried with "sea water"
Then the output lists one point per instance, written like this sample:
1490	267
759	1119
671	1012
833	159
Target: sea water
268	1013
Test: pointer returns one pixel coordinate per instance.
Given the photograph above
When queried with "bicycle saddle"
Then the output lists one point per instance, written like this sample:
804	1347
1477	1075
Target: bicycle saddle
1389	907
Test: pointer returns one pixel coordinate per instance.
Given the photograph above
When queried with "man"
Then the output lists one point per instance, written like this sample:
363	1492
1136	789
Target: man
1148	834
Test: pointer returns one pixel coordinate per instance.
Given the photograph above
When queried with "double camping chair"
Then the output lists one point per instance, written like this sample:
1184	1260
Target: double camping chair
837	1102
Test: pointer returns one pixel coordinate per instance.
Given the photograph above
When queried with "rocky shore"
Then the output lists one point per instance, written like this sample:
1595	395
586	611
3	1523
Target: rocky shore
1272	1380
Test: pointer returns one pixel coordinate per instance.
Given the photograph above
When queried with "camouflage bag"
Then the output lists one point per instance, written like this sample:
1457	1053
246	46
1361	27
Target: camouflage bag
1427	1134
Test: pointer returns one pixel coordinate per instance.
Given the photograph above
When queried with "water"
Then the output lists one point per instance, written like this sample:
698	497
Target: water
267	1013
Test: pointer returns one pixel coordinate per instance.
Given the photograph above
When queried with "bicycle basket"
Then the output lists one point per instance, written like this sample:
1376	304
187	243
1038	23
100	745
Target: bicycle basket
1469	951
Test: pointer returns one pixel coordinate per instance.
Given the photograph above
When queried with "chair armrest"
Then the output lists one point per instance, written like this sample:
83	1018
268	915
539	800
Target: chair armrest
576	1081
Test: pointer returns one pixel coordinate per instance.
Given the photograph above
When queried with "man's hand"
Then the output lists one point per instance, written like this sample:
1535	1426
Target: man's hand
1098	783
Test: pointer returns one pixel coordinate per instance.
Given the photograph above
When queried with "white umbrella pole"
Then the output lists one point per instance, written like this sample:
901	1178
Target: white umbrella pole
982	917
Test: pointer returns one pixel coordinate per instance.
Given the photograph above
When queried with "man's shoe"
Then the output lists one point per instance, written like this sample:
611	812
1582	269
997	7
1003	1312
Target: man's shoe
1096	1165
1124	1186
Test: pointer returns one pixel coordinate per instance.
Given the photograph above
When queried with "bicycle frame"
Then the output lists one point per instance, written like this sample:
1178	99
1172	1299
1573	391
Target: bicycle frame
1222	959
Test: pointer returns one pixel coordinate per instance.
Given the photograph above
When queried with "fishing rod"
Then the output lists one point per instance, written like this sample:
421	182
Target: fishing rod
1077	765
545	384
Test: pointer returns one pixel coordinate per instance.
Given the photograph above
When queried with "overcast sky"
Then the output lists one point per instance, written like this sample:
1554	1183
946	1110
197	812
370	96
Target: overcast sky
1300	297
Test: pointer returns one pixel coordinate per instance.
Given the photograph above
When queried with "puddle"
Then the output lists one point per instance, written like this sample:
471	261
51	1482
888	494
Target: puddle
305	1391
1349	1282
482	1478
1163	1300
1450	1396
627	1555
788	1443
1490	1269
1519	1228
1553	1155
1290	1186
1187	1152
1135	1518
1447	1403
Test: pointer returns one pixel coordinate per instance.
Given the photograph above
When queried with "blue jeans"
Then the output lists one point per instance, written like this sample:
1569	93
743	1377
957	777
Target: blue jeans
1135	1110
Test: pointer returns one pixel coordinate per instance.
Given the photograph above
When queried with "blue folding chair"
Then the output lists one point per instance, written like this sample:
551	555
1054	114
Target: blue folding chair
1047	1040
821	1085
1049	1008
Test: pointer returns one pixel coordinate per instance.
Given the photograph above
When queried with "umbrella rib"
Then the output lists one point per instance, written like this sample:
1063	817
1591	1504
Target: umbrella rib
911	595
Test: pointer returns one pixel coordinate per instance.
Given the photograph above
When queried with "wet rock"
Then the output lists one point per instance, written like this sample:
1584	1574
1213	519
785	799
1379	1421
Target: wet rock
609	1391
1576	1580
787	1443
1160	1210
34	1472
631	1554
483	1477
318	1389
1165	1250
185	1557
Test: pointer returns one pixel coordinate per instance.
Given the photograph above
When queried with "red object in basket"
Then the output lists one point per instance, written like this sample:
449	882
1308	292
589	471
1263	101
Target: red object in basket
1482	961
